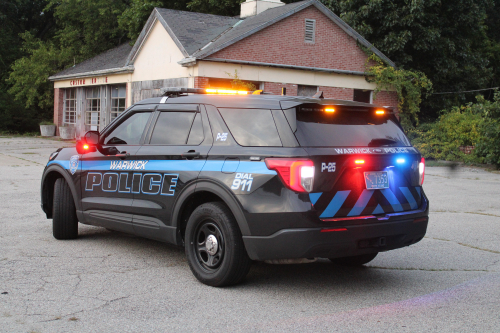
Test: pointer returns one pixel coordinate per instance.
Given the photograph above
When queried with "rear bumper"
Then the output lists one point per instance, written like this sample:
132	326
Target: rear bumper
342	238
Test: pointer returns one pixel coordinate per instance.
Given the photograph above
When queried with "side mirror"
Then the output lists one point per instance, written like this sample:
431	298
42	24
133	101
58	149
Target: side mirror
88	143
92	138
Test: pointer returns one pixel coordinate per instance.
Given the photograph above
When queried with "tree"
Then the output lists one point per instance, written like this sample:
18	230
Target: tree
84	29
17	17
444	40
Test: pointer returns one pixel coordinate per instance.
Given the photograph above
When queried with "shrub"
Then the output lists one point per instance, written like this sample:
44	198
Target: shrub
475	124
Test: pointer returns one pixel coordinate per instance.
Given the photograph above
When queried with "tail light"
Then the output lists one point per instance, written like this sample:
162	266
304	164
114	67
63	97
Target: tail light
421	171
296	174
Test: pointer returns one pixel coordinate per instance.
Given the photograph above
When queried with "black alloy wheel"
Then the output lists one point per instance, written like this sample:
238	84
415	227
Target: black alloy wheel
209	245
214	246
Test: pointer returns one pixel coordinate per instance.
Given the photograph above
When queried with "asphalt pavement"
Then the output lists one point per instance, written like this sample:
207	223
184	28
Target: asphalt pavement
112	282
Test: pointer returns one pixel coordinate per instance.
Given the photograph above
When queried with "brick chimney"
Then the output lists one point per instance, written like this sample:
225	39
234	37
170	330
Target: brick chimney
254	7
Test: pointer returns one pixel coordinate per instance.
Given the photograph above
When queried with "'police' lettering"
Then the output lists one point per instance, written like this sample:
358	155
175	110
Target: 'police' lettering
149	183
93	179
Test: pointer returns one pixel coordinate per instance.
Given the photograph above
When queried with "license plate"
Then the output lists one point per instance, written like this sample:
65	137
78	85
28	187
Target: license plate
376	180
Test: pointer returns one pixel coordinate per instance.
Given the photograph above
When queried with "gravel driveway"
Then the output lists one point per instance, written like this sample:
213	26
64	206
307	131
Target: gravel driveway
112	282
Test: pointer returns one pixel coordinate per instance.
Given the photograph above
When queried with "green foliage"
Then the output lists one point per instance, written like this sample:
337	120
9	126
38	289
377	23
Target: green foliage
489	146
135	16
46	123
441	140
84	29
238	84
29	74
475	124
446	40
409	85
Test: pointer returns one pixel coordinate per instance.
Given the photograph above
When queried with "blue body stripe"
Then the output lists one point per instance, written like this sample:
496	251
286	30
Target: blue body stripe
63	163
418	190
334	205
314	197
378	210
169	165
389	195
361	203
409	197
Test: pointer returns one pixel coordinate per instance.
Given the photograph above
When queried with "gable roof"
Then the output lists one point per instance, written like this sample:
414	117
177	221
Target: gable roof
253	24
200	35
111	61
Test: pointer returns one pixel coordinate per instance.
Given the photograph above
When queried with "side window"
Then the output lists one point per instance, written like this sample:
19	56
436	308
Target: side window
252	127
178	128
129	132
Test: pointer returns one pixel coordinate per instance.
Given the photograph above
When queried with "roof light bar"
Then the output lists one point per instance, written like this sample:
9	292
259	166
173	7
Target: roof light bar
380	112
329	109
169	91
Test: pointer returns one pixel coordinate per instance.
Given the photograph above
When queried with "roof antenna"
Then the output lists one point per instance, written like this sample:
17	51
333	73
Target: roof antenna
319	94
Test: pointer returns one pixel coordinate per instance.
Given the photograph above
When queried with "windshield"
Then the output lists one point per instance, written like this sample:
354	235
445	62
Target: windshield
314	127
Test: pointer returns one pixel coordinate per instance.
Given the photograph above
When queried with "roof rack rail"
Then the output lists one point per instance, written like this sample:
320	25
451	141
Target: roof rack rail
178	91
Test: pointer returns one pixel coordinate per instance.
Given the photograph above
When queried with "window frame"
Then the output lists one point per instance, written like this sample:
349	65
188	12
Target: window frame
154	122
65	110
122	118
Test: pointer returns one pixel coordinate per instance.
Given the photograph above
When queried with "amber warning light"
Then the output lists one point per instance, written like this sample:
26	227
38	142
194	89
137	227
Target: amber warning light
226	92
329	110
380	112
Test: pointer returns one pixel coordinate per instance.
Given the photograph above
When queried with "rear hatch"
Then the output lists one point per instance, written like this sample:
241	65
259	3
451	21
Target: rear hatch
364	163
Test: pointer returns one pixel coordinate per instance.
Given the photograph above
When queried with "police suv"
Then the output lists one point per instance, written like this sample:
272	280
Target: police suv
240	177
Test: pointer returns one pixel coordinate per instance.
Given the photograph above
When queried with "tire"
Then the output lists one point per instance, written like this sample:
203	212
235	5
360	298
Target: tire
354	260
221	263
64	220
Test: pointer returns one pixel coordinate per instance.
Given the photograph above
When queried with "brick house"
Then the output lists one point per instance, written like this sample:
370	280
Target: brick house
302	46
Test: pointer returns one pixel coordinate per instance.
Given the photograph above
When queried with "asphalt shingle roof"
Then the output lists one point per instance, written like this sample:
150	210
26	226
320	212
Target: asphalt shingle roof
114	58
249	24
195	30
199	35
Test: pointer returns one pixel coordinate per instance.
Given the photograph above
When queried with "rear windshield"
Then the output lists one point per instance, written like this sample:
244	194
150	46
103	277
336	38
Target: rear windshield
314	127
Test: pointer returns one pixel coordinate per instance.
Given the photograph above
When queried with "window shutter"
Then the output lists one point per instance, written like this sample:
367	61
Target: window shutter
310	31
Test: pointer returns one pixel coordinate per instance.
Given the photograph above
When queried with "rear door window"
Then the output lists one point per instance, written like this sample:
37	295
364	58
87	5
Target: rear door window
177	128
314	127
252	127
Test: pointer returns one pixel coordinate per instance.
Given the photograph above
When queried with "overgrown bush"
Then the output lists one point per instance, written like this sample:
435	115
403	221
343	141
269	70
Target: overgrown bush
475	124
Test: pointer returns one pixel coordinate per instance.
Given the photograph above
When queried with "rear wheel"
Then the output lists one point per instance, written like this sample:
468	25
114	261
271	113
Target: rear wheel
214	246
354	260
64	220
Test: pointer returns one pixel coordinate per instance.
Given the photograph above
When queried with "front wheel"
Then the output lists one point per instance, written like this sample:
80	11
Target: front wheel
64	219
354	260
214	246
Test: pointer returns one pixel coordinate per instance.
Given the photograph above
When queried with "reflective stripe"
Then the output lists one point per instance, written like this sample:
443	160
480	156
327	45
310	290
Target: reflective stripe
335	204
378	210
409	197
361	203
389	195
314	197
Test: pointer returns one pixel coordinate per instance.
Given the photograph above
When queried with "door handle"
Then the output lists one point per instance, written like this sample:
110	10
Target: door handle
190	154
123	155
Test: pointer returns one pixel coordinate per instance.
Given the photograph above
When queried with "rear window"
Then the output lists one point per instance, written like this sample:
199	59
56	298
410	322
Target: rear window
252	127
314	127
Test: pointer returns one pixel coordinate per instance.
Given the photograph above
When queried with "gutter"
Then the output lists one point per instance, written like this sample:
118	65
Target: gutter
119	70
316	69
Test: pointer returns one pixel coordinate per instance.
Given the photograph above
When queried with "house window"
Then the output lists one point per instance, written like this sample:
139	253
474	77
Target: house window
92	107
118	94
306	90
70	106
364	96
310	31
